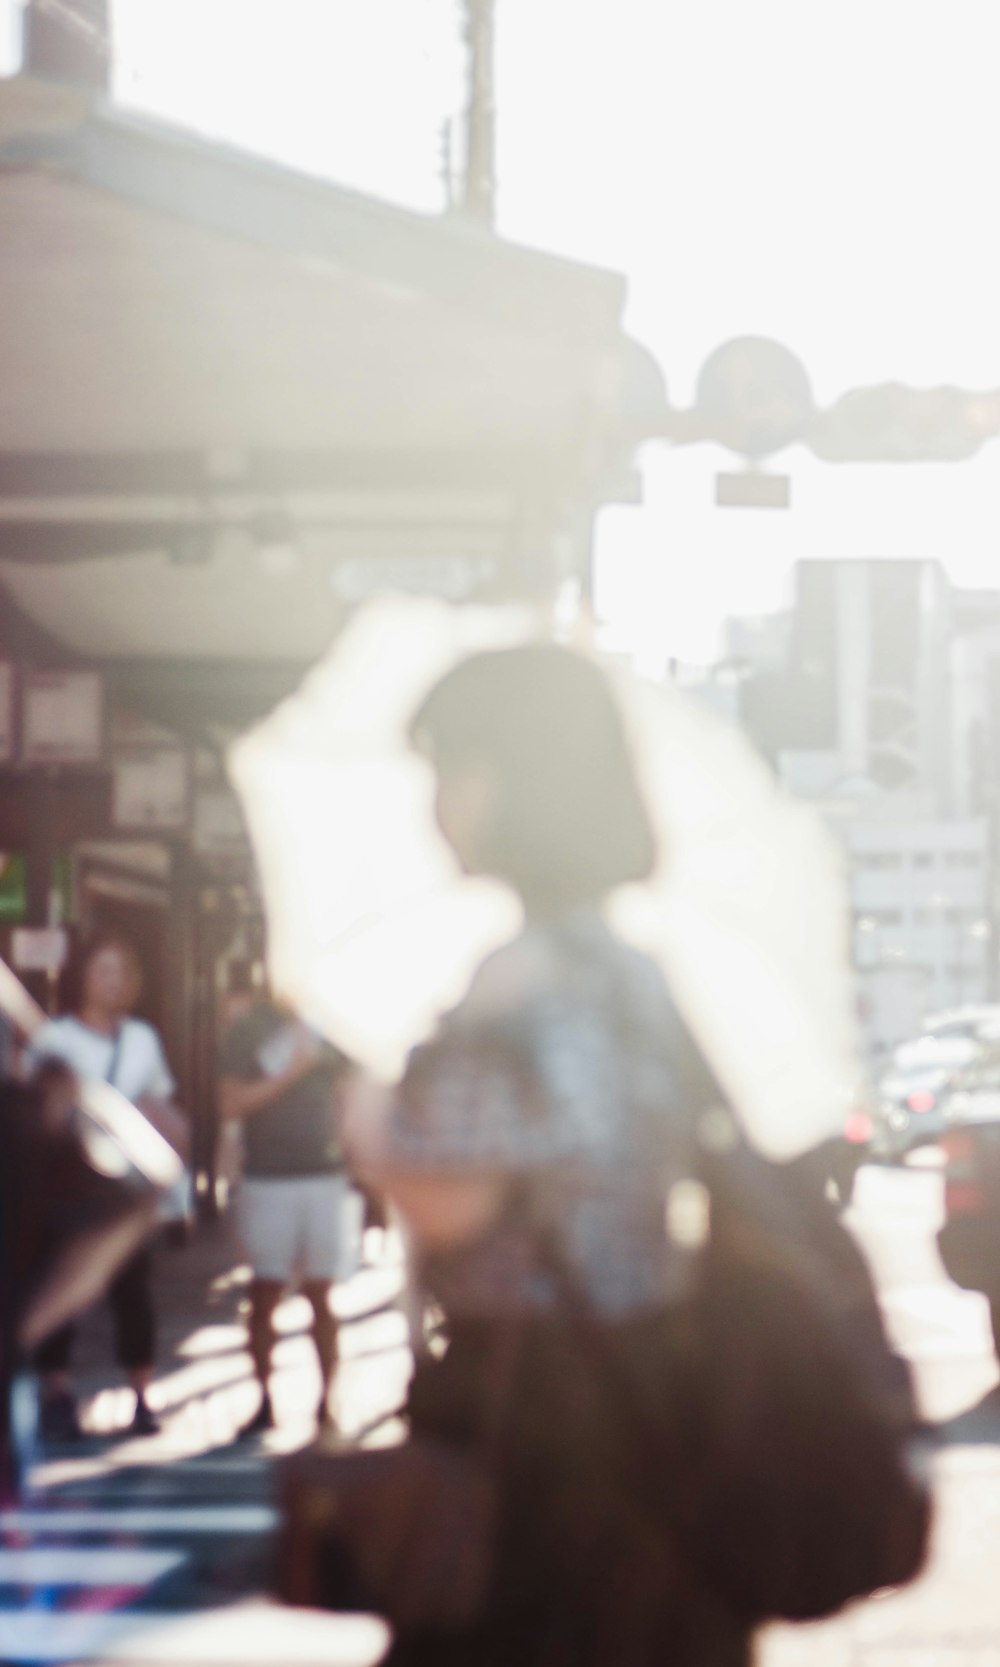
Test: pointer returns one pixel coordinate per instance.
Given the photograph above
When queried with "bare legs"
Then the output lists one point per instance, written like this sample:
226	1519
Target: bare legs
324	1331
130	1298
265	1294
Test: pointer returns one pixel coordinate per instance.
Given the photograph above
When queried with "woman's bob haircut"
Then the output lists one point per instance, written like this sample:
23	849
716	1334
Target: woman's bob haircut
73	978
567	821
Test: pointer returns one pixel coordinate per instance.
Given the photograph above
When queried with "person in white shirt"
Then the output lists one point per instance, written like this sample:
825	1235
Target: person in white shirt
98	1038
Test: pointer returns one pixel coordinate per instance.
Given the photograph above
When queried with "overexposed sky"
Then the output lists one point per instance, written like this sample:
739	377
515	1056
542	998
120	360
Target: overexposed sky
824	171
820	170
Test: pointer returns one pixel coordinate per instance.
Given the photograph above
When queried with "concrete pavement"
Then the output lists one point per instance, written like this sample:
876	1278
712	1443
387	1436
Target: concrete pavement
158	1551
950	1617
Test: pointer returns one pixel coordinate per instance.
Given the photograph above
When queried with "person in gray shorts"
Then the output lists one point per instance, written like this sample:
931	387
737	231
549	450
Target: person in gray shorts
278	1080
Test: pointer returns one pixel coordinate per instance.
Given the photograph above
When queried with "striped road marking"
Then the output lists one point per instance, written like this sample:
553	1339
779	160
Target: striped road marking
71	1566
199	1519
243	1635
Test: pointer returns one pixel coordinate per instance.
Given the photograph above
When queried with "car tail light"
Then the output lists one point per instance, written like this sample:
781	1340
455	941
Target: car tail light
958	1146
859	1128
963	1194
963	1198
921	1100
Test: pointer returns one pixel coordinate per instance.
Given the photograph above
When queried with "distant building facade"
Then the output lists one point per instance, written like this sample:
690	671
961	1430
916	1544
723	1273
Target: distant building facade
878	697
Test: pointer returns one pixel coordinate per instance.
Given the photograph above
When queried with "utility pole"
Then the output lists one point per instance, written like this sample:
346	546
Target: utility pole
478	193
70	41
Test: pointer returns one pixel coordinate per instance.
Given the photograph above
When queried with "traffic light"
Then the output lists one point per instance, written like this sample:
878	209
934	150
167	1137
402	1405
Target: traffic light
753	396
894	424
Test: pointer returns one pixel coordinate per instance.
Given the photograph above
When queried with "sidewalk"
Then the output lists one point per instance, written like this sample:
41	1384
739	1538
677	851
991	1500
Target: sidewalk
152	1551
949	1618
205	1389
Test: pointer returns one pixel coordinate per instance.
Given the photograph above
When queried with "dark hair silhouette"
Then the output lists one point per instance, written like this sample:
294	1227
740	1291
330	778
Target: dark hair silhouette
74	973
569	822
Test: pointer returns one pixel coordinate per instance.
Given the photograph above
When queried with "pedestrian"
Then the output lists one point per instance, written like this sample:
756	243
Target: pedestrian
278	1080
64	1231
98	1037
8	1048
243	990
538	1134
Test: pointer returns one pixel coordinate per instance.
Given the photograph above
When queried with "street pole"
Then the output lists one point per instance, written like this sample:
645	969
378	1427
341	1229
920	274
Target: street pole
41	868
478	194
69	41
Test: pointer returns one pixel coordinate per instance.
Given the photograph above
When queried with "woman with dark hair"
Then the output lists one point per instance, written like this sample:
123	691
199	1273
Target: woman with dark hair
530	1148
97	1037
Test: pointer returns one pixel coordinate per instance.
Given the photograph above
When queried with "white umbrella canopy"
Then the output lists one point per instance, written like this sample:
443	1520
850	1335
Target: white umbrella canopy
374	932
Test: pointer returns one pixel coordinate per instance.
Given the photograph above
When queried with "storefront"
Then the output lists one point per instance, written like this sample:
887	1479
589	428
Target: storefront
237	401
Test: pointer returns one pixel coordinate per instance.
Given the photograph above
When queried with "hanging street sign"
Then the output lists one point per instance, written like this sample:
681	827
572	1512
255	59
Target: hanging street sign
751	489
62	718
150	789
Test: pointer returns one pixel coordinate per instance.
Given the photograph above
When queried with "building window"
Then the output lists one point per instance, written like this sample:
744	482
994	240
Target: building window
879	859
868	921
946	917
923	859
963	859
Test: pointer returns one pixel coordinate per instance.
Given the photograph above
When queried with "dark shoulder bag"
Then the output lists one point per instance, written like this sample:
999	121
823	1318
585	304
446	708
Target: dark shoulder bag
785	1467
792	1478
808	1493
406	1531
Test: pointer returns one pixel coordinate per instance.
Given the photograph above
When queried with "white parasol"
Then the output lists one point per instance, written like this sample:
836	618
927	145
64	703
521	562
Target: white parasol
374	932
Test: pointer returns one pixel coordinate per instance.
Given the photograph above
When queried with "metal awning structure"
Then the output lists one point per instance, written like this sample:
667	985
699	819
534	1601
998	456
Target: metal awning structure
233	397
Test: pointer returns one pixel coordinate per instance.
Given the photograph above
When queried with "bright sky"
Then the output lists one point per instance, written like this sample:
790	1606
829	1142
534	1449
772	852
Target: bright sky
824	173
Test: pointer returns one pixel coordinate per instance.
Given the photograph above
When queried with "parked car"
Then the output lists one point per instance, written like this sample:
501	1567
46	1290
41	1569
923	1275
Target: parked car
847	1154
969	1240
979	1021
911	1092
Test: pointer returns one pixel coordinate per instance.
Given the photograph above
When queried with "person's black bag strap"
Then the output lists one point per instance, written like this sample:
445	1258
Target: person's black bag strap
114	1058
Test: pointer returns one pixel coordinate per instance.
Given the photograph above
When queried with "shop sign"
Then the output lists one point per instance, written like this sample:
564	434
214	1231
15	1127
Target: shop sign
218	827
13	885
39	948
62	719
150	789
454	577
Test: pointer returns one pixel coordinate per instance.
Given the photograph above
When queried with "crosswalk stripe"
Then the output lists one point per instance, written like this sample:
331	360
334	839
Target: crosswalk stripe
89	1566
167	1519
937	1304
244	1635
220	1467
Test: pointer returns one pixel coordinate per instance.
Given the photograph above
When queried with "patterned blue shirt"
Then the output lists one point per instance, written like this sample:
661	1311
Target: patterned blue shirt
567	1070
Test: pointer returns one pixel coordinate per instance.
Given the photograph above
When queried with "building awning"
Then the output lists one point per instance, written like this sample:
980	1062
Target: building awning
201	347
